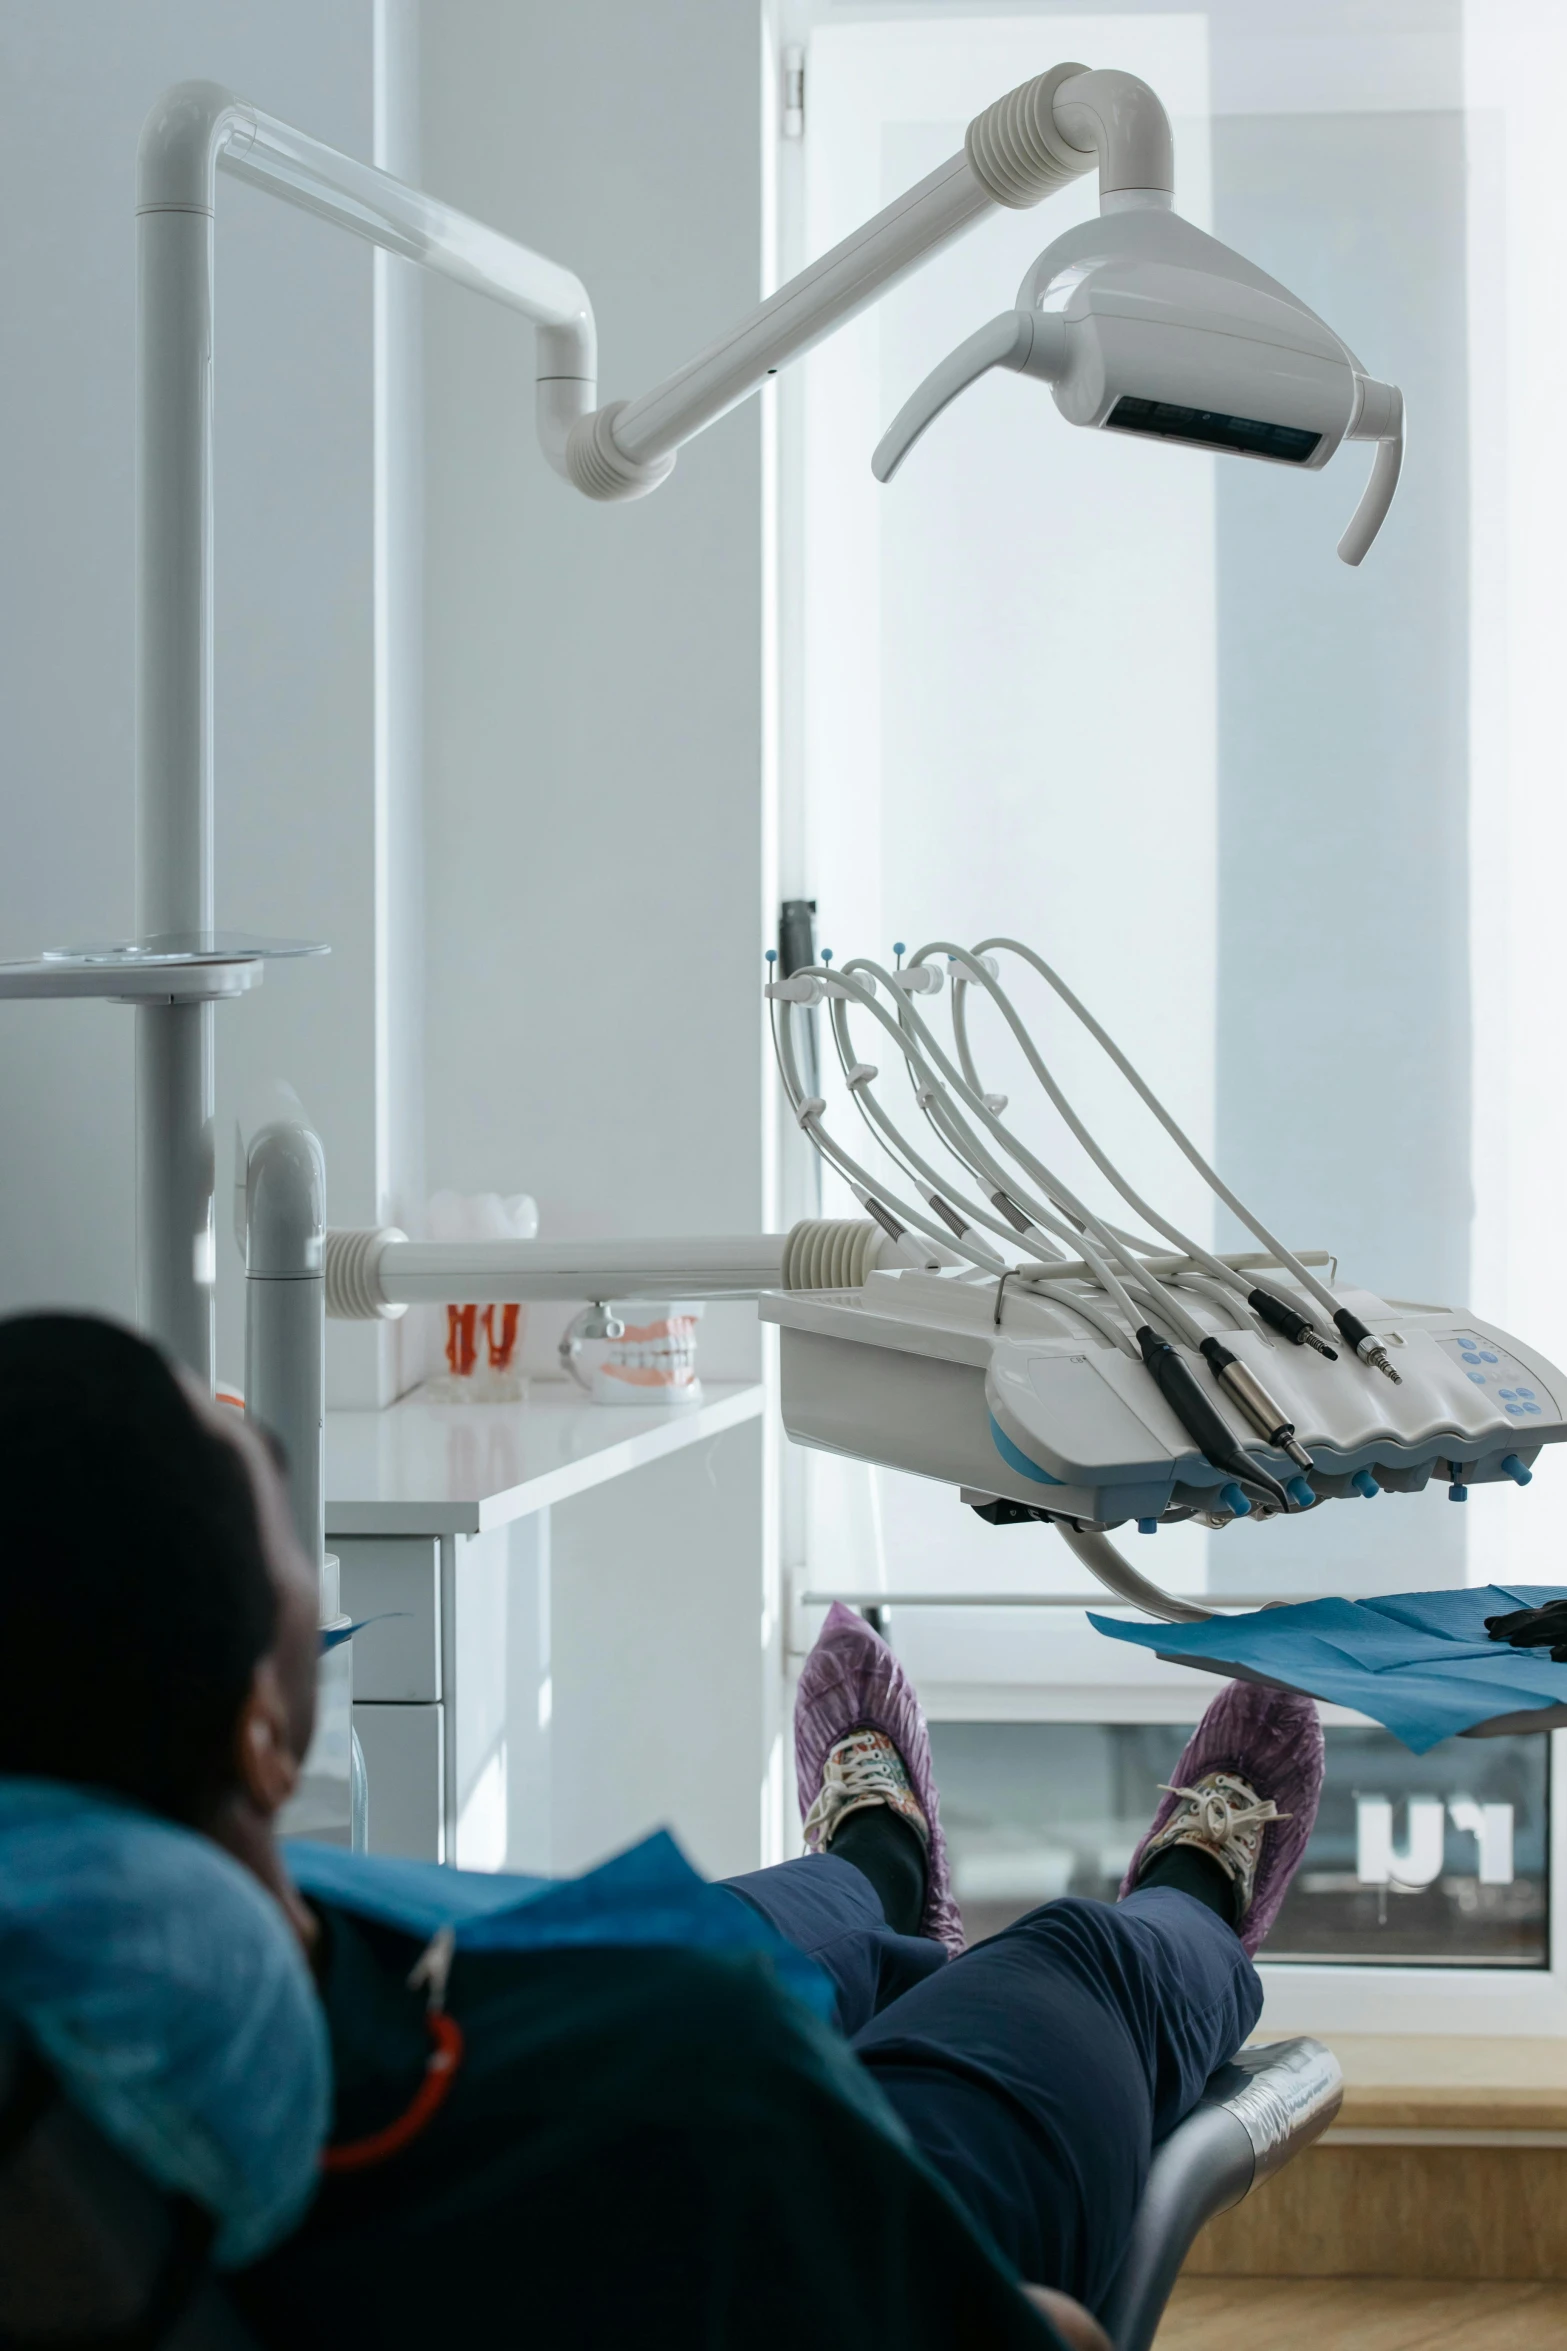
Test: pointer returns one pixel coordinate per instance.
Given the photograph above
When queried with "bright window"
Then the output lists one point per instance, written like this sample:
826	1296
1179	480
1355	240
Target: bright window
1292	831
1441	1860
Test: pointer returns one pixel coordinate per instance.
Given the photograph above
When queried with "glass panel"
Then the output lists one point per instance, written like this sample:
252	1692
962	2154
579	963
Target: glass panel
1435	1860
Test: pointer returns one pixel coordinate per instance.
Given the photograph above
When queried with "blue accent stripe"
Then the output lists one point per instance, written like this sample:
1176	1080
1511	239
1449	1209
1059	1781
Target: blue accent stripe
1018	1460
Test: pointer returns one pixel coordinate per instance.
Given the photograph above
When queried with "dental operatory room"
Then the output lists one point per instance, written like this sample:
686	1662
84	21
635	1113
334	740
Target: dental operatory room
781	846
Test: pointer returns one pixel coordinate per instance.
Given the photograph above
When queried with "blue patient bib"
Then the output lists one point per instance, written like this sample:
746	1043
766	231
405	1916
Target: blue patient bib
648	1895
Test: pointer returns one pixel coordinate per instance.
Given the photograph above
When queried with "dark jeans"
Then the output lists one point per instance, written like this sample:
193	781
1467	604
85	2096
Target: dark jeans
1038	2071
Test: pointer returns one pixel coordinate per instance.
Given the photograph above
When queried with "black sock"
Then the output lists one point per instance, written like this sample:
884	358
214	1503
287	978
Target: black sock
1191	1871
886	1848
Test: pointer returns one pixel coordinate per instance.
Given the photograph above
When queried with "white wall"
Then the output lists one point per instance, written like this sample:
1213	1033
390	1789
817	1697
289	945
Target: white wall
594	841
596	899
297	837
595	867
586	965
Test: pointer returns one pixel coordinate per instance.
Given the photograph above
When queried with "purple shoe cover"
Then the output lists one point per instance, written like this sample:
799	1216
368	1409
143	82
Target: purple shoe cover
852	1681
1273	1739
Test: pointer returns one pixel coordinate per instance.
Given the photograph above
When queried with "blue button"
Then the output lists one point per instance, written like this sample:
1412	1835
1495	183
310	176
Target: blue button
1488	1358
1507	1391
1472	1358
1478	1377
1526	1391
1515	1409
1531	1408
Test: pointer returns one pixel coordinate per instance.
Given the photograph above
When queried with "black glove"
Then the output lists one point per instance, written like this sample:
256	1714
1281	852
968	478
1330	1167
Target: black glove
1534	1628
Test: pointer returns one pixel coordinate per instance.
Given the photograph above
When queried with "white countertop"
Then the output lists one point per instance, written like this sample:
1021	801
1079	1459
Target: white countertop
421	1468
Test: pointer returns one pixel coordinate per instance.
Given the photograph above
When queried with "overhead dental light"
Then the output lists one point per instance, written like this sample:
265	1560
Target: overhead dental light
1142	324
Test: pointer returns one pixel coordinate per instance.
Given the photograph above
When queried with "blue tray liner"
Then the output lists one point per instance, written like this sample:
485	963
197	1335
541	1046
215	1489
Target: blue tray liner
1420	1663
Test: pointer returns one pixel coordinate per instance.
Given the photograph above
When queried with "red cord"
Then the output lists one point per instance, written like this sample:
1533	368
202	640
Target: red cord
439	2074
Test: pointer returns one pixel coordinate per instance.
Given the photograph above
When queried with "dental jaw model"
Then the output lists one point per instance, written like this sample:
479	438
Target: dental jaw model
635	1353
1059	1365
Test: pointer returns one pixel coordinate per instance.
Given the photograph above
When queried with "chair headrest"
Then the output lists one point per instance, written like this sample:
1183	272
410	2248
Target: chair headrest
167	1992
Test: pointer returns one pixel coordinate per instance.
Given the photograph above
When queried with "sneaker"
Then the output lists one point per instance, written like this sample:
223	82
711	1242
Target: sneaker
862	1770
860	1739
1245	1791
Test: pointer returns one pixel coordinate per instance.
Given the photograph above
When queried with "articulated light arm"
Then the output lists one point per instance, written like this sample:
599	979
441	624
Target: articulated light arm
1033	141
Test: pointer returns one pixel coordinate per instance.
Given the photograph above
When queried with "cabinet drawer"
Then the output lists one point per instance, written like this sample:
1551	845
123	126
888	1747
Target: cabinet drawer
404	1751
394	1582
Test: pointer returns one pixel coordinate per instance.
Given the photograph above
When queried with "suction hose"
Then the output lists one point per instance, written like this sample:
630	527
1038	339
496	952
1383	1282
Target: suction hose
1101	1558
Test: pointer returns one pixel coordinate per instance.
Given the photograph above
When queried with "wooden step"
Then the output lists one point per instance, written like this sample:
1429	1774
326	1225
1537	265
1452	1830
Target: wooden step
1448	2160
1361	2314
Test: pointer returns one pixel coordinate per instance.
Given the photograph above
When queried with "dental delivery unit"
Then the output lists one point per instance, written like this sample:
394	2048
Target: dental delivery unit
1058	1366
989	1329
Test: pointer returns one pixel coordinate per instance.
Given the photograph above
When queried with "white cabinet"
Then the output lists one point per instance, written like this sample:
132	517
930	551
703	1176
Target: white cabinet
405	1766
391	1587
478	1546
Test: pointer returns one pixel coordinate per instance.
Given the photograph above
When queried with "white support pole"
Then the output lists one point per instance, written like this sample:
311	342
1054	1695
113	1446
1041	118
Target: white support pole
193	128
175	1241
285	1312
175	1248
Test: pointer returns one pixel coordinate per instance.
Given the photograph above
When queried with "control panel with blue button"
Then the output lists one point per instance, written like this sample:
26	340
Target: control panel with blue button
1519	1391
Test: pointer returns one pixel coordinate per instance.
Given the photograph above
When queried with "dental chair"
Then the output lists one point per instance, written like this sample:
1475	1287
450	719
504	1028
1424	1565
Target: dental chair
1255	2115
94	2258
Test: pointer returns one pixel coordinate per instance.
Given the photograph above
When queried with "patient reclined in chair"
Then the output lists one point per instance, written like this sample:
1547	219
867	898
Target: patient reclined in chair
632	2105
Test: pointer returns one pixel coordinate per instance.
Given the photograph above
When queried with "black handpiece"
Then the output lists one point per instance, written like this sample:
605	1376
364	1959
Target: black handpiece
1298	1328
1198	1418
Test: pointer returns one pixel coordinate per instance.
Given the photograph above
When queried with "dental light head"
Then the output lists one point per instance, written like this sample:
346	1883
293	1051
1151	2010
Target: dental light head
1142	324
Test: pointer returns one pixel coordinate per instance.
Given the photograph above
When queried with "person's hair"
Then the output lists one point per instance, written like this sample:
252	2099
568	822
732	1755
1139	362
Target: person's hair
135	1598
